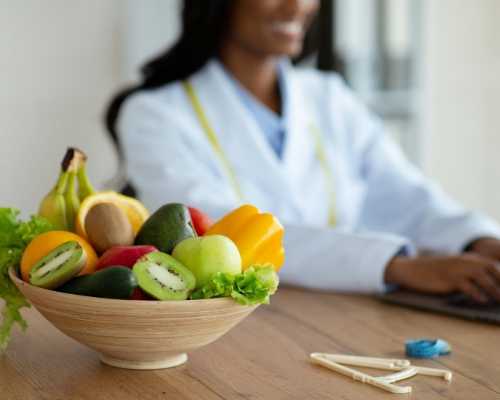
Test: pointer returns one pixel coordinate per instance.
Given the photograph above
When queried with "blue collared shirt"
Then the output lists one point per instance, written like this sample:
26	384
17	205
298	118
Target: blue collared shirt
270	123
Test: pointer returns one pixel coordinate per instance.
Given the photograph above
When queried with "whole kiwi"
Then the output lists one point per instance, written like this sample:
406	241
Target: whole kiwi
107	226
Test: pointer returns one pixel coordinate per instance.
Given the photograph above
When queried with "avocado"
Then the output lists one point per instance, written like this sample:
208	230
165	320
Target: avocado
114	282
169	225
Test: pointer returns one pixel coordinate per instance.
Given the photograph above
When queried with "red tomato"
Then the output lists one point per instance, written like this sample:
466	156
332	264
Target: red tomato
201	221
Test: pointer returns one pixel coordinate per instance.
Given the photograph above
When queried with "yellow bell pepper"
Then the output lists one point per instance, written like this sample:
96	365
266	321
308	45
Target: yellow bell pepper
258	236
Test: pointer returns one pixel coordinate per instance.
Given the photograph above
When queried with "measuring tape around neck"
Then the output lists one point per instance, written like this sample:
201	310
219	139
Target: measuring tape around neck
212	138
327	172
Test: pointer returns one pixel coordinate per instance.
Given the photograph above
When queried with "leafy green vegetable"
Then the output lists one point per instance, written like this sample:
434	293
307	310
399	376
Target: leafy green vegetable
253	286
220	285
15	235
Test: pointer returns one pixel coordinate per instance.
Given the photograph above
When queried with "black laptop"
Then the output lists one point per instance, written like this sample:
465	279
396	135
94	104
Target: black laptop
458	305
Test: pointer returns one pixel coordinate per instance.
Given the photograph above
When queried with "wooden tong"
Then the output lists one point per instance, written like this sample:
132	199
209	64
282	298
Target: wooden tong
338	362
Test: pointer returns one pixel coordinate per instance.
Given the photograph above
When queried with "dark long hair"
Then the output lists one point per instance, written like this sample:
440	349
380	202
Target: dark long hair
203	26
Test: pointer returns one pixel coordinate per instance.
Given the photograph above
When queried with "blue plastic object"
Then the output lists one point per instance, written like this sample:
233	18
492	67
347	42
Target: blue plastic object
427	348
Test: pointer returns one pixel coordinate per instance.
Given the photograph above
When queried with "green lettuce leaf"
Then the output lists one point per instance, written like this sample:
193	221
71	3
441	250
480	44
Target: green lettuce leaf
220	285
253	286
15	235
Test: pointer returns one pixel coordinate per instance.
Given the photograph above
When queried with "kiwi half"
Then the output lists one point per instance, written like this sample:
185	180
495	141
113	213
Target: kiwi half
59	266
163	277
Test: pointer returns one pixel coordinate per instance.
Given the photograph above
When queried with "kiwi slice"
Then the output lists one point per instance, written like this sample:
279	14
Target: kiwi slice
59	266
163	277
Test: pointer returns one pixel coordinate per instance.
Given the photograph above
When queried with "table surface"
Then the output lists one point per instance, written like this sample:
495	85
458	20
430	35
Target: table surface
265	357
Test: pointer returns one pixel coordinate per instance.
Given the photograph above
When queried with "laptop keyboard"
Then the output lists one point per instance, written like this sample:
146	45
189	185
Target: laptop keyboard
464	301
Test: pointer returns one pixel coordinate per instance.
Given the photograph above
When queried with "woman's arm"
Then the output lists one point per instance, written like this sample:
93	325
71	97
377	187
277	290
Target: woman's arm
399	198
332	259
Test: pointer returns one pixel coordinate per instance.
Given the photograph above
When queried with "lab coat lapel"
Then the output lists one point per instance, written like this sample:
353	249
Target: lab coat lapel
244	144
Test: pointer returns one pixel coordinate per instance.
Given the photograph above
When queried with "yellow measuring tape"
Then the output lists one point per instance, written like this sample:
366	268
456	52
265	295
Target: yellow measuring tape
212	138
327	172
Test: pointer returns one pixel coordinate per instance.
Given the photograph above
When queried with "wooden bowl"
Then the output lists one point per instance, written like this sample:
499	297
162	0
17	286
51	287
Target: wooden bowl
136	334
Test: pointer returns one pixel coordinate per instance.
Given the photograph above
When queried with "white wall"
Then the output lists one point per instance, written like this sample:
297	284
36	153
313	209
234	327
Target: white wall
60	62
59	66
151	26
461	101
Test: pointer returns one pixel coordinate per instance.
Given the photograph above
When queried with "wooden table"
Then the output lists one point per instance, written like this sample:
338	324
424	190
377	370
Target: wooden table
265	357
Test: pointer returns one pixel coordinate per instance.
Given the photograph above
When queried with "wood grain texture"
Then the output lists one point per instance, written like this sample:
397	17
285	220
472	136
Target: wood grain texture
265	357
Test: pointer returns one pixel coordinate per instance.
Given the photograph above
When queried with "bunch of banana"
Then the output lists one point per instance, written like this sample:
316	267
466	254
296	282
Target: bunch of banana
60	206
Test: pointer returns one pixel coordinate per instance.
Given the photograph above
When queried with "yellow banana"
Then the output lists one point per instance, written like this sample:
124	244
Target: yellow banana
72	200
85	188
53	205
70	164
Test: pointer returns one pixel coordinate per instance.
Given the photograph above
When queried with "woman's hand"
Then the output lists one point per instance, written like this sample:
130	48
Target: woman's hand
487	247
473	274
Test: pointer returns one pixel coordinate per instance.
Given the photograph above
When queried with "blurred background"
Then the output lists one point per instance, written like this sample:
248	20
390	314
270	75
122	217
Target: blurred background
429	68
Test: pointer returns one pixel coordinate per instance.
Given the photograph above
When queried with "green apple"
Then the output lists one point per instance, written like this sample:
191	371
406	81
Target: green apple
207	255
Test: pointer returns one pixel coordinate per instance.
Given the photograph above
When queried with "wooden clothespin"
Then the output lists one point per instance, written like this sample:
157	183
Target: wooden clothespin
338	362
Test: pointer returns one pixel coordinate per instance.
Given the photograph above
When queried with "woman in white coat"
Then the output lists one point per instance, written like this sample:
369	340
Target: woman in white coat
223	118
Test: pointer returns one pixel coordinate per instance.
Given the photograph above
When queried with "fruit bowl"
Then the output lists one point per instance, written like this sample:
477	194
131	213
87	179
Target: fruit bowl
136	334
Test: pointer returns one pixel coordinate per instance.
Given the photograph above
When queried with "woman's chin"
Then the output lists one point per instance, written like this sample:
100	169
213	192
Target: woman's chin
288	44
287	50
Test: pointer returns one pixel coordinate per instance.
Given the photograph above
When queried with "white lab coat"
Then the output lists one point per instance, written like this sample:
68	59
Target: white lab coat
383	203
